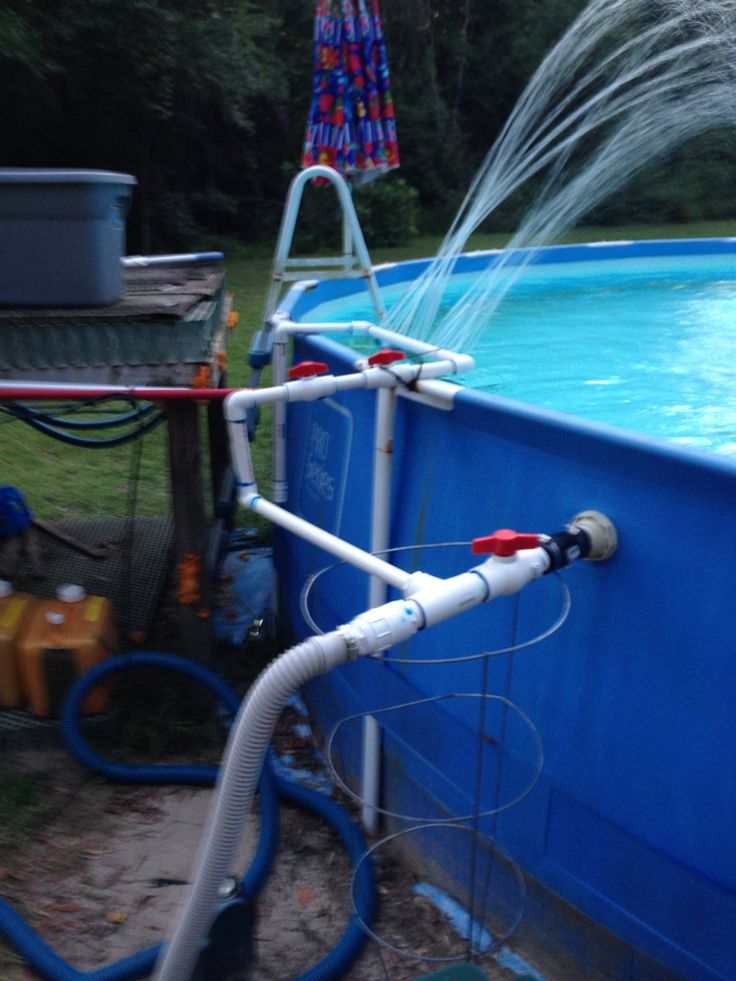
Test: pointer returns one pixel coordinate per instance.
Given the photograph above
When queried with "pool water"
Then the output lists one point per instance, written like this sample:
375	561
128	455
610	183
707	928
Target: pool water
646	343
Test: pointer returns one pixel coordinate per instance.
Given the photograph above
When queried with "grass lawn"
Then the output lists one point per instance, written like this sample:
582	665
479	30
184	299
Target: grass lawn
60	481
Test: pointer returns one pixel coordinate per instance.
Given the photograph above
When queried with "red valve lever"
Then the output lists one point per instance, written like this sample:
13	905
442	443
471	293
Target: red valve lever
307	369
503	542
386	356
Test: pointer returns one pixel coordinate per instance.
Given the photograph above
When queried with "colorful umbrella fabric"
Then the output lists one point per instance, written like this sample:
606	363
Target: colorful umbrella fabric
351	125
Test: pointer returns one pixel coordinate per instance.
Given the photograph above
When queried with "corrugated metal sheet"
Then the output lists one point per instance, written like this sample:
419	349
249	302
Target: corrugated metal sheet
168	317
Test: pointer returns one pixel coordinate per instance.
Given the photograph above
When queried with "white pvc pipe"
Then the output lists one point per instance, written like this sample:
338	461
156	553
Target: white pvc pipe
457	363
321	386
278	462
236	787
370	777
342	550
382	471
291	327
249	498
238	403
380	519
318	387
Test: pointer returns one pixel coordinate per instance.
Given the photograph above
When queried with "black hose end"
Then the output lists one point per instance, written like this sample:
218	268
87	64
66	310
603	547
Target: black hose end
259	359
590	535
566	547
230	946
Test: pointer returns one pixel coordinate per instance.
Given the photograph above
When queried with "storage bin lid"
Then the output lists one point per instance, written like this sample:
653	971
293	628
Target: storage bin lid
50	175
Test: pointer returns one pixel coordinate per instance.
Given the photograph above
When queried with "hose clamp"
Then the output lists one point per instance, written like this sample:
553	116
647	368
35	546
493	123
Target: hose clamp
352	642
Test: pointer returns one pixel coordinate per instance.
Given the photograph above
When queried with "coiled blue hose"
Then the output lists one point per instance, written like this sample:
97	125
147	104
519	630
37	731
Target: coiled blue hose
49	965
57	428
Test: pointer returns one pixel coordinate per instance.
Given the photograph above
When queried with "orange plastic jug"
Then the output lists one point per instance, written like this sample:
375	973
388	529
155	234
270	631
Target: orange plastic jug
62	639
15	609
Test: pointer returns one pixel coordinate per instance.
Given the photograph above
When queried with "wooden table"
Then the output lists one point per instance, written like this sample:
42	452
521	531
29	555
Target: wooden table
170	329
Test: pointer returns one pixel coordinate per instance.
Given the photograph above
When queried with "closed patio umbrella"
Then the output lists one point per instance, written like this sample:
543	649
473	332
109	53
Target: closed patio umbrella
351	125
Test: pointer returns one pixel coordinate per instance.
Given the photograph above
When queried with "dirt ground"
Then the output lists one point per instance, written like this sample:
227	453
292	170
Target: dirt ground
106	872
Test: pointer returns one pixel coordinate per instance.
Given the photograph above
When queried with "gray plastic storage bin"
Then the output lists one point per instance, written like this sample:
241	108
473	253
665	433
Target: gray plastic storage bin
62	236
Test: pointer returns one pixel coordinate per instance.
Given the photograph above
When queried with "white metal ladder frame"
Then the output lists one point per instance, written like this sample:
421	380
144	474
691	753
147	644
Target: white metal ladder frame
354	263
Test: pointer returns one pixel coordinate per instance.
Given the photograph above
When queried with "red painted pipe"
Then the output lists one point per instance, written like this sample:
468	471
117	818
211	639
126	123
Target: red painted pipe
32	391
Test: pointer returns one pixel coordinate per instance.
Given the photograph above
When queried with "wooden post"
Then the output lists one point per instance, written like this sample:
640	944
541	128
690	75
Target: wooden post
191	530
219	449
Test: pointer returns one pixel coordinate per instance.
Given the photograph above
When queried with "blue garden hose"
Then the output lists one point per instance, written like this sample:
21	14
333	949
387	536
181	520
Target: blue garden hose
139	422
49	965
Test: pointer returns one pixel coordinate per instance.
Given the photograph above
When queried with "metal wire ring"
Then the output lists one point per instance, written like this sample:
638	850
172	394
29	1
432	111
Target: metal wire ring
455	819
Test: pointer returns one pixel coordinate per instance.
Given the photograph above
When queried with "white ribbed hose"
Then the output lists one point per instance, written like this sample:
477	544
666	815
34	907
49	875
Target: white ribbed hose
431	601
237	784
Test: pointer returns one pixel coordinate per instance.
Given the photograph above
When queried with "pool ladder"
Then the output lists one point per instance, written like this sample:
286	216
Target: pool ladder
354	263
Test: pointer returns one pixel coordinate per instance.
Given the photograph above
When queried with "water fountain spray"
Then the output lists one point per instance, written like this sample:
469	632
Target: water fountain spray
629	81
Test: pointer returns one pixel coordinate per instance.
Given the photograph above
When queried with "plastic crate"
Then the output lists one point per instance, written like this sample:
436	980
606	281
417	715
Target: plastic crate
62	236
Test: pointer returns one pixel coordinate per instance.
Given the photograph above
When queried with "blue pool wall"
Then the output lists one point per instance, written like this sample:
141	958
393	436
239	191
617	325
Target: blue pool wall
631	820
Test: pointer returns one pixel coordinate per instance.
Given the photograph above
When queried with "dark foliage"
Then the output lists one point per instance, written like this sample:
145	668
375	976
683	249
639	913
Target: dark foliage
205	103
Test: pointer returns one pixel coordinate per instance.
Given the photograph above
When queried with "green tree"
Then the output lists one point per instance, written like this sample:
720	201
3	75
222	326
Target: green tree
205	102
168	91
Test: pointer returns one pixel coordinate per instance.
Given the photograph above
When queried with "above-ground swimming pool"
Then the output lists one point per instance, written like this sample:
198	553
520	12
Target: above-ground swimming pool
631	816
644	340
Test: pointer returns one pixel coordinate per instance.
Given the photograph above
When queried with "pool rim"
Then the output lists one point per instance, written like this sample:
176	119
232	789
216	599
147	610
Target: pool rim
308	294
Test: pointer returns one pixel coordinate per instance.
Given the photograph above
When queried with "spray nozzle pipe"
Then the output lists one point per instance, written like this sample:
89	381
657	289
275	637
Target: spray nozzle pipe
454	363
